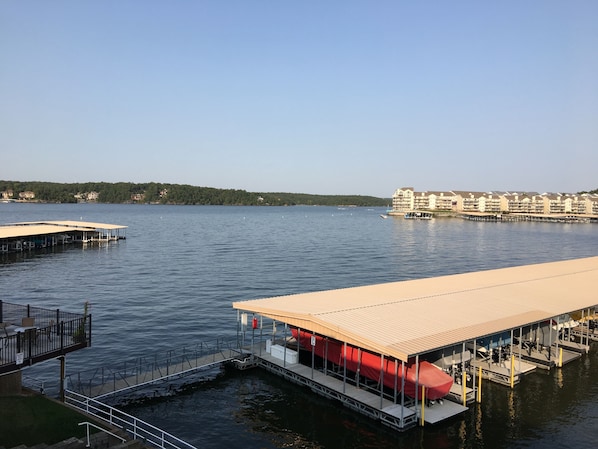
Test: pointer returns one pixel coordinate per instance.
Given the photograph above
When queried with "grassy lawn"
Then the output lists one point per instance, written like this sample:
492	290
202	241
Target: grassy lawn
34	419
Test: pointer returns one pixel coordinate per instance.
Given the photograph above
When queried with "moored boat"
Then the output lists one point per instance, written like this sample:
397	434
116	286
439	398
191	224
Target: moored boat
437	383
416	215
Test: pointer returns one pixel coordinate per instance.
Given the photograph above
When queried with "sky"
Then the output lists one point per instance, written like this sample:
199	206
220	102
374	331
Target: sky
334	97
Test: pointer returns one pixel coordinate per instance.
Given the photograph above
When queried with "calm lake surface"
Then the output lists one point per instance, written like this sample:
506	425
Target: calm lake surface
172	281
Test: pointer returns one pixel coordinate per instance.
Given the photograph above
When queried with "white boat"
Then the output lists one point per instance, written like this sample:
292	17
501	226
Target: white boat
418	215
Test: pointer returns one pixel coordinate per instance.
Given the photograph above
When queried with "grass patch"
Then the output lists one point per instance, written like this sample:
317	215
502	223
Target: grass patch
36	419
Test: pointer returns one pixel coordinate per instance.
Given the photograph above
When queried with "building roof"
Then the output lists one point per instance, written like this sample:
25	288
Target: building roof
407	318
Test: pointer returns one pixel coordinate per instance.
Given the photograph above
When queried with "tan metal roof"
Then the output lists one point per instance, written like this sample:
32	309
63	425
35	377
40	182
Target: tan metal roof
88	224
24	229
10	232
402	319
72	223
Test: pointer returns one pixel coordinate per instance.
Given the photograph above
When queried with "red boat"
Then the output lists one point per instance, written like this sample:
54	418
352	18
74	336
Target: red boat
436	381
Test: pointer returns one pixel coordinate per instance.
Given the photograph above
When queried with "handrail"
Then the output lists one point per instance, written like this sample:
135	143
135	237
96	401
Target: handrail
139	429
158	366
87	424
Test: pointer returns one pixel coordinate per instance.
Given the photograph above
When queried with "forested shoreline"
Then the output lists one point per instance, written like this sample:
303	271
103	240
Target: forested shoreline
164	193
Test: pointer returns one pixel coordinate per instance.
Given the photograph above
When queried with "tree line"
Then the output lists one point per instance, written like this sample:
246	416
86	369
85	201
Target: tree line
160	193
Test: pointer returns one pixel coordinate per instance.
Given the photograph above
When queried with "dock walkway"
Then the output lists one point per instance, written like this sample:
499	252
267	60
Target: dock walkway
104	382
362	400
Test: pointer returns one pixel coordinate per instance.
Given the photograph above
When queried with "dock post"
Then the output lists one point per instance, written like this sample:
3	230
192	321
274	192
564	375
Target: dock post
560	357
62	376
480	386
416	380
464	384
381	381
344	367
261	332
313	351
326	358
513	370
423	404
253	326
396	379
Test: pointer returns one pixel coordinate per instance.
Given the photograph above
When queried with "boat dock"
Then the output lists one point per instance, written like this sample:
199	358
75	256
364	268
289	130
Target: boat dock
498	325
25	236
519	217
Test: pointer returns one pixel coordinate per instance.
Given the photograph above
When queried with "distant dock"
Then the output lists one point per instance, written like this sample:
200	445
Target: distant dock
543	218
25	236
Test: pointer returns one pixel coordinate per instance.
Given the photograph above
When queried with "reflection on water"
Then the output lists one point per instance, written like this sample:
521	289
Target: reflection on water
172	282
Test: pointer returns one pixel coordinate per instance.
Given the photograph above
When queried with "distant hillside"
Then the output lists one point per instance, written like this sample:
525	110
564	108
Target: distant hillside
159	193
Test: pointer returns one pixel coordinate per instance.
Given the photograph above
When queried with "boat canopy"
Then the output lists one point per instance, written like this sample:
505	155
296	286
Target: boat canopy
408	318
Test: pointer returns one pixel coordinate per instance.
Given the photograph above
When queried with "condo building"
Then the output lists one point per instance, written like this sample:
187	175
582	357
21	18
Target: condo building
406	199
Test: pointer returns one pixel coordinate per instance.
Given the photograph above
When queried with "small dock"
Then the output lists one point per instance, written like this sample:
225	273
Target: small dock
585	332
500	372
547	358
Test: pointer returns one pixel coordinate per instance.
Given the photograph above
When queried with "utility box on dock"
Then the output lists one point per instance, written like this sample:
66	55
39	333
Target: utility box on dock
286	354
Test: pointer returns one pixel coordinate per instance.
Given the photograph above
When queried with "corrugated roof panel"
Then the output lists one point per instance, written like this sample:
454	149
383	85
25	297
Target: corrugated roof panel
11	232
412	317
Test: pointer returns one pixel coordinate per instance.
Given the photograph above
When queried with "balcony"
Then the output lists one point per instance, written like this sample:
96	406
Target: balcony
30	335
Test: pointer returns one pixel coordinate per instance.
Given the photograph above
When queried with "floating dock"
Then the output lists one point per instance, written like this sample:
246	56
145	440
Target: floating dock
517	315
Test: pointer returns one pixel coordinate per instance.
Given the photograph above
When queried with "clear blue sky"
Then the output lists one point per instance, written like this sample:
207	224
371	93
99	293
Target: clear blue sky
328	97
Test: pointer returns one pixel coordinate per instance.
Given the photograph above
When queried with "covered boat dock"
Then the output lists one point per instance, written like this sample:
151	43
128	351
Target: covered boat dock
383	339
17	237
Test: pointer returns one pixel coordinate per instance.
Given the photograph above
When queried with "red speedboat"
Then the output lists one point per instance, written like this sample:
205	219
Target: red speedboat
436	381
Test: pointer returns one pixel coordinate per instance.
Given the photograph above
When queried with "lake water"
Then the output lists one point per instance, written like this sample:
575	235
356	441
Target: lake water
172	281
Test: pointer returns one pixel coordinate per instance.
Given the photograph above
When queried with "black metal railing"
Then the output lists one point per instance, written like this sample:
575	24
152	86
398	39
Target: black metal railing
30	334
148	368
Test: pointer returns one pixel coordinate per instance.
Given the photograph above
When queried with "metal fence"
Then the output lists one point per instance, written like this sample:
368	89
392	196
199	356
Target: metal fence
32	334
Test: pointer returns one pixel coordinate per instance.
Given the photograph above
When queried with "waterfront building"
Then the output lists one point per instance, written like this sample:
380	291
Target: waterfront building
490	202
468	201
441	200
591	203
406	199
403	199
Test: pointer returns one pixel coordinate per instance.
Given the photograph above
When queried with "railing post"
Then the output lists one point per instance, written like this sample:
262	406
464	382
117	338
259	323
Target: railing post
61	336
88	443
